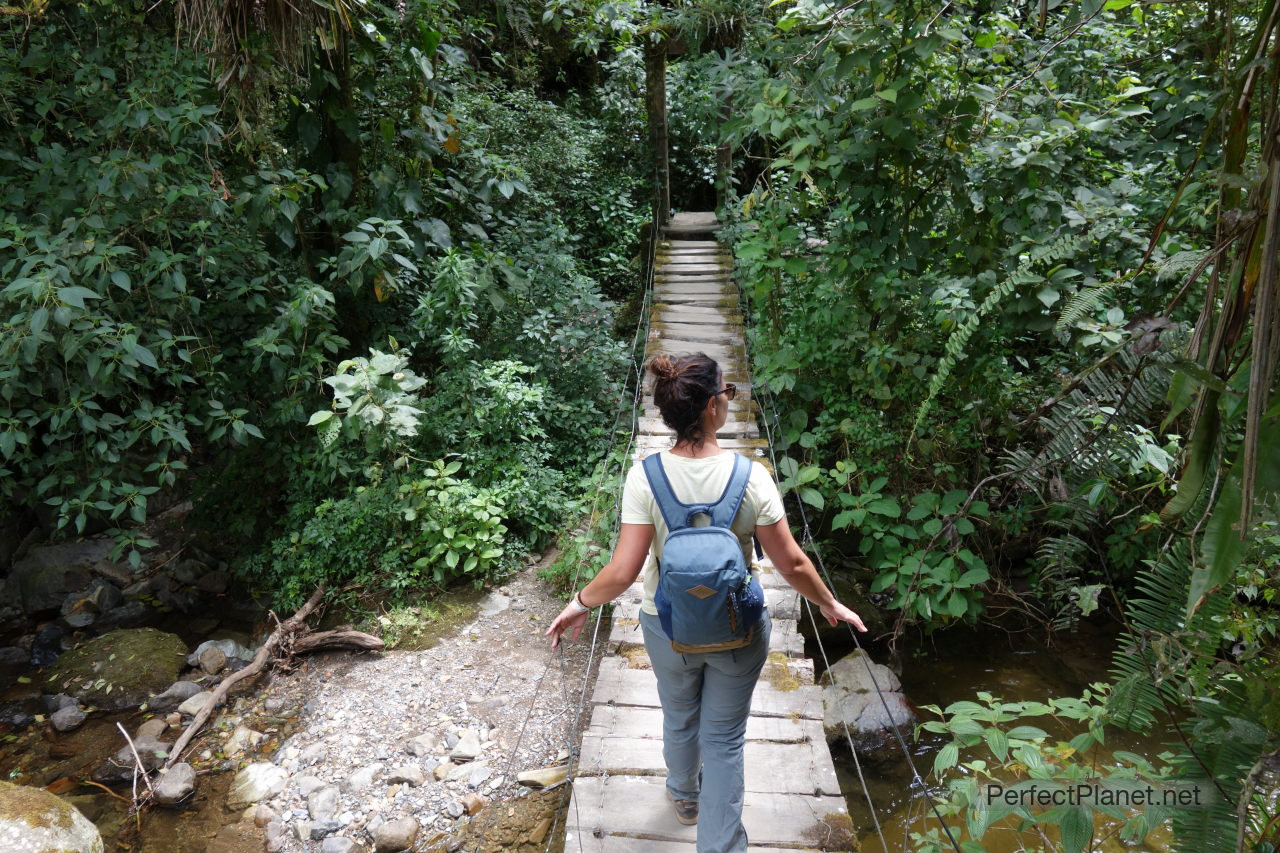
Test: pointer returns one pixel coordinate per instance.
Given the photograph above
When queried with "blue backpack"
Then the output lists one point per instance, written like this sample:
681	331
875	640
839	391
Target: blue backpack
707	599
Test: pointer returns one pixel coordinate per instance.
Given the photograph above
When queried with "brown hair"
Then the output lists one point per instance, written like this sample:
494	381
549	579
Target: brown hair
682	386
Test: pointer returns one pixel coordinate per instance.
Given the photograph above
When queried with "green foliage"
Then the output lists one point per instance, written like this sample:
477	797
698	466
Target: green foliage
1086	789
392	538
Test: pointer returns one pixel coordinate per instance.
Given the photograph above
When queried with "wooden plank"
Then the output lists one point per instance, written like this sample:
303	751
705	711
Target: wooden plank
637	806
690	286
654	426
587	843
625	635
781	768
690	244
622	721
617	683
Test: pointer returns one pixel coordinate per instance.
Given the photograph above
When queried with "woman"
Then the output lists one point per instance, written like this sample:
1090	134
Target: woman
705	697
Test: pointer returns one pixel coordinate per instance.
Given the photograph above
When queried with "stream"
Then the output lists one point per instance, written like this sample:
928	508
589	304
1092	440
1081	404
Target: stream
957	665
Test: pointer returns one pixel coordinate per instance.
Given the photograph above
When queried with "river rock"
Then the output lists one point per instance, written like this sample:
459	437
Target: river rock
212	660
473	803
196	703
242	739
546	777
228	647
407	774
255	782
174	695
213	583
120	669
58	701
82	609
468	747
322	803
275	836
122	766
339	844
68	718
305	785
42	578
850	700
46	647
127	615
32	819
423	744
396	835
442	771
176	783
152	728
363	777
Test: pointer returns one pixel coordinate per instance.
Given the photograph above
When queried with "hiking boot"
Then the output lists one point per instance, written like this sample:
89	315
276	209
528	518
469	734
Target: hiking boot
686	810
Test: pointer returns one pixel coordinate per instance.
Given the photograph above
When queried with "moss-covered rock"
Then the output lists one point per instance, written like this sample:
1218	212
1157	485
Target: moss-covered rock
119	670
34	821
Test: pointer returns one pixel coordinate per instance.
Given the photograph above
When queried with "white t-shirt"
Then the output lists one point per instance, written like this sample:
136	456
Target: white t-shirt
698	481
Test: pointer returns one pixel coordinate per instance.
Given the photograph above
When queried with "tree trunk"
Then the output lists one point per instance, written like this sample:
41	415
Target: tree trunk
655	82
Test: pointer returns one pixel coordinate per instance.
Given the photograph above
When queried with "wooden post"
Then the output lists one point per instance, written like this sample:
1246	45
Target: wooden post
655	83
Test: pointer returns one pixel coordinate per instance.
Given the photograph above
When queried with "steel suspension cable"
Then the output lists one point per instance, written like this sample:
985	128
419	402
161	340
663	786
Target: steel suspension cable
606	466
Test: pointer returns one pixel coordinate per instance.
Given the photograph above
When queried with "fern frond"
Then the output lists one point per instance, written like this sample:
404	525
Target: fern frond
1085	303
1024	274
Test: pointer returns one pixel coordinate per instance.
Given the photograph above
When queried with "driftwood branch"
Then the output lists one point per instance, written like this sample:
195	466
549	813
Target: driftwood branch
139	769
321	640
268	650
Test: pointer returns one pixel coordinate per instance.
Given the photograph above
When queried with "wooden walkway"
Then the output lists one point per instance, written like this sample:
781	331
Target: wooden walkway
619	802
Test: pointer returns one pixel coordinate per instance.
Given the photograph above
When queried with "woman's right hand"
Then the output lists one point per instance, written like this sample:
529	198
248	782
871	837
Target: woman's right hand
836	612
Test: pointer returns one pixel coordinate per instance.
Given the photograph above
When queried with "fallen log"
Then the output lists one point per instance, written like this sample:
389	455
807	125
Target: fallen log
344	639
283	632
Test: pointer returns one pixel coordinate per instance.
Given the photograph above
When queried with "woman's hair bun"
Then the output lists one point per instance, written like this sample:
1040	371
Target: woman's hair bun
663	367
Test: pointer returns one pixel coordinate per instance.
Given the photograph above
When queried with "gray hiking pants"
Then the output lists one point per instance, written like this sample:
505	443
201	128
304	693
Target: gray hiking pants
705	702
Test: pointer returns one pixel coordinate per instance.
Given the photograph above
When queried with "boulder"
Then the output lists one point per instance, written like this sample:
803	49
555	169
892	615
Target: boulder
851	703
176	783
118	670
33	819
41	579
255	782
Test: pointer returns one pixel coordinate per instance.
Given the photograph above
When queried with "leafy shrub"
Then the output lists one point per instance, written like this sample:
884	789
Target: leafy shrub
389	539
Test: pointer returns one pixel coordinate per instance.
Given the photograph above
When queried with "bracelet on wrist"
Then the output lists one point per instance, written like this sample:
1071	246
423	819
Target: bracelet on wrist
578	605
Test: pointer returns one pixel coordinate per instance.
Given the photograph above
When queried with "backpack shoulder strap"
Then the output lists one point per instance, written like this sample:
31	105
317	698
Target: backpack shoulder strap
724	510
668	504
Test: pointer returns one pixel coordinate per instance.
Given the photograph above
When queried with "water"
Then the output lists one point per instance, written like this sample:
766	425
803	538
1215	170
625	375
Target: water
957	665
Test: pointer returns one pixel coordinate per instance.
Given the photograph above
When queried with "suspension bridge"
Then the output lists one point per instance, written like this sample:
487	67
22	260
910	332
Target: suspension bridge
792	800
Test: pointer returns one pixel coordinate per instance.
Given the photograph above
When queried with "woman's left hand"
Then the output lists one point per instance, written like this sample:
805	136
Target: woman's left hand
570	619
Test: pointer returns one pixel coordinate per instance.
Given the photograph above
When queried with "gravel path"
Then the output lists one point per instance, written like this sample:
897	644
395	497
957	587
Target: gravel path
435	736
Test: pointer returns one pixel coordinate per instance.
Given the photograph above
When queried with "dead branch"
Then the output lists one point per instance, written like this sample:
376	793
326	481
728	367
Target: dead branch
139	768
322	640
283	631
